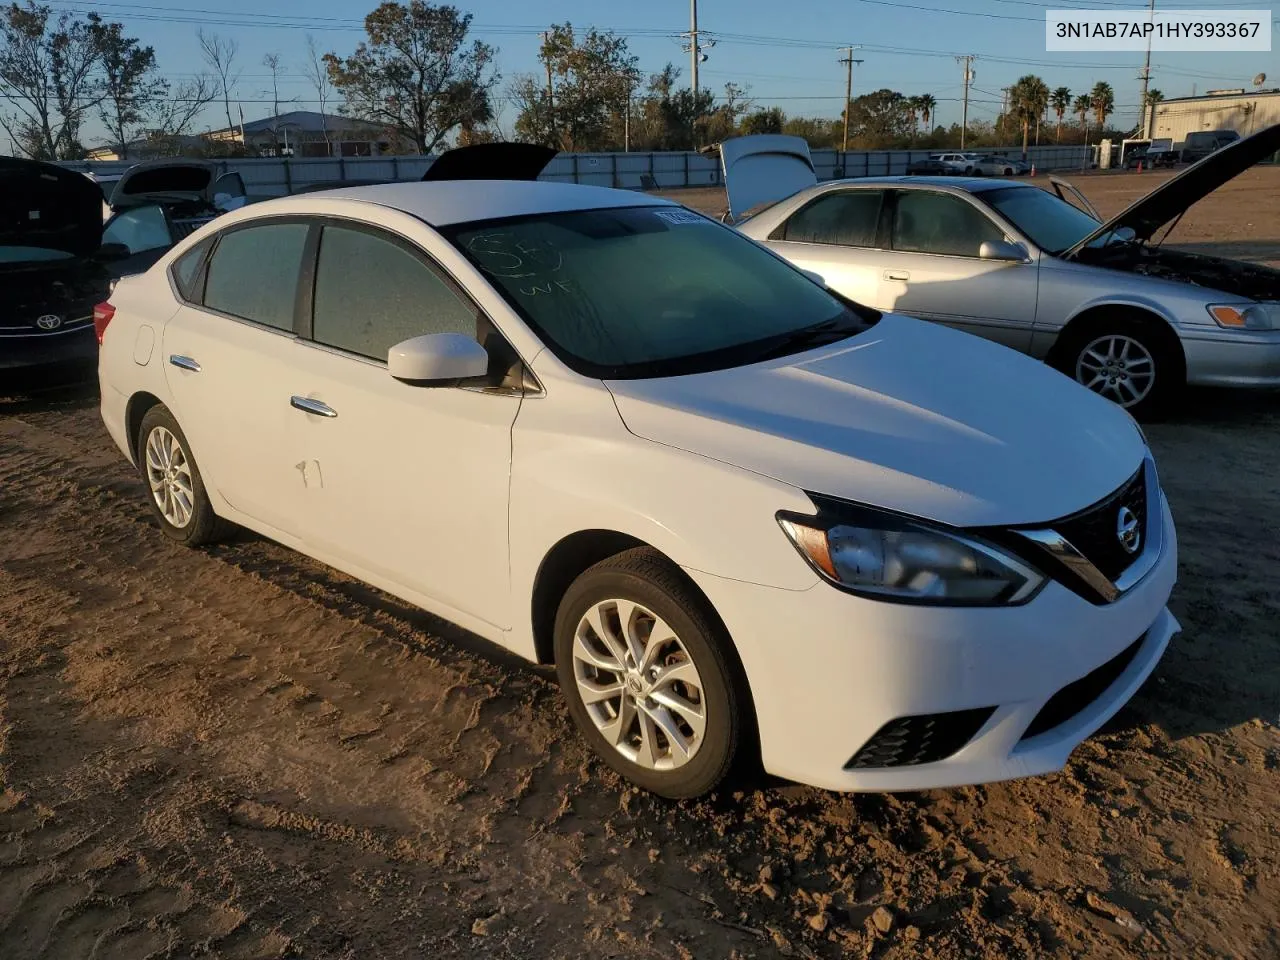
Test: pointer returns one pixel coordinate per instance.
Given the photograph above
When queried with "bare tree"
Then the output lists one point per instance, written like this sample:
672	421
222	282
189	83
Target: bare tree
272	62
318	73
174	116
220	54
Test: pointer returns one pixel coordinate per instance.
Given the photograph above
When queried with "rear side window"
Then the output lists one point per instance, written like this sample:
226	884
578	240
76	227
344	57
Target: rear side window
927	222
371	293
849	219
186	271
254	273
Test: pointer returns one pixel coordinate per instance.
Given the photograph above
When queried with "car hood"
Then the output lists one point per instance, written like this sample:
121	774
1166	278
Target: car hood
764	168
908	417
1176	195
491	161
48	207
156	181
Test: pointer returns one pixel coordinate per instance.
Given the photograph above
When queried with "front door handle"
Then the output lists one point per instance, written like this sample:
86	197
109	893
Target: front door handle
307	405
897	275
186	363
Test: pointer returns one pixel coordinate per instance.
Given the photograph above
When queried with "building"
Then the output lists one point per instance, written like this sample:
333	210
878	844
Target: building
151	148
307	133
1238	110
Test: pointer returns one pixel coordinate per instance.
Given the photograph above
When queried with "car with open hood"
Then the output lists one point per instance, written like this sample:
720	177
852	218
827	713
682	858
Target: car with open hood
745	517
1105	301
50	272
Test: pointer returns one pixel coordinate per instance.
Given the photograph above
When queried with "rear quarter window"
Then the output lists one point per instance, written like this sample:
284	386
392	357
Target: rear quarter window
187	271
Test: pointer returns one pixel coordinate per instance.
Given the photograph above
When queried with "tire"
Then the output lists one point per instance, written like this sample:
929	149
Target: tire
159	436
714	684
1083	353
1008	171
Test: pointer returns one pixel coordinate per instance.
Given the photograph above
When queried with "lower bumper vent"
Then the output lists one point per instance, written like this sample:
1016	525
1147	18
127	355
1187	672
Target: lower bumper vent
928	738
1074	698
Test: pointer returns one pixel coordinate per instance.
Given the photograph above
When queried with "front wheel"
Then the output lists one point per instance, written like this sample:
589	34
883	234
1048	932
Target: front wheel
1128	362
649	676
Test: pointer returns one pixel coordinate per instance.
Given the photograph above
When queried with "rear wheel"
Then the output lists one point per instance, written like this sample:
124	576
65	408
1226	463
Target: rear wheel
1131	362
175	487
649	676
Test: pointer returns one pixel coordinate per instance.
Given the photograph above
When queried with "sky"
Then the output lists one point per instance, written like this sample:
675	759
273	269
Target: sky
785	53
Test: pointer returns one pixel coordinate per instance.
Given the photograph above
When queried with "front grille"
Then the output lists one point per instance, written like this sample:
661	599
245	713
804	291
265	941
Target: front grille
1093	531
928	738
1076	697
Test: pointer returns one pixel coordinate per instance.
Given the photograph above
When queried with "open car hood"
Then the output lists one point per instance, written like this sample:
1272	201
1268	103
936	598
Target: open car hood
764	168
48	207
156	180
1176	195
491	161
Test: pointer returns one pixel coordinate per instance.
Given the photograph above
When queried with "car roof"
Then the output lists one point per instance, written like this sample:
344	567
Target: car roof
448	202
967	184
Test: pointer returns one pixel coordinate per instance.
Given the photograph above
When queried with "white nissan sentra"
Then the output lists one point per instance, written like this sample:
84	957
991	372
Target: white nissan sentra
744	517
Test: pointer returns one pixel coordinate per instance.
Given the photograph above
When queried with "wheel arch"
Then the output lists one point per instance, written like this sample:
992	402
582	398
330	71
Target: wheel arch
1095	316
135	410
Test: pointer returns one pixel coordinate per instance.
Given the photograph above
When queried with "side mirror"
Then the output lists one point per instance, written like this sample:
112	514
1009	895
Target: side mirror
817	278
1002	250
437	359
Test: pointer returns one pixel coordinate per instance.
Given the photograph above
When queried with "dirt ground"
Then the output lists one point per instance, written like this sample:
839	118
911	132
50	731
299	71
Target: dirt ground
240	753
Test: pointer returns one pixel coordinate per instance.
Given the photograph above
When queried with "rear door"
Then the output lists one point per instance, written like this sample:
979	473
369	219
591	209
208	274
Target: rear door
227	353
933	269
837	235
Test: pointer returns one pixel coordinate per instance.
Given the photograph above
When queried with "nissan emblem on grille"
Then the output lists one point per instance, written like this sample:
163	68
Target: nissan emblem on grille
49	321
1127	531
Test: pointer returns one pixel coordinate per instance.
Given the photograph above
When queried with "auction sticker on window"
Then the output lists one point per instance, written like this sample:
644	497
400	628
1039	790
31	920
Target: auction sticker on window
1140	28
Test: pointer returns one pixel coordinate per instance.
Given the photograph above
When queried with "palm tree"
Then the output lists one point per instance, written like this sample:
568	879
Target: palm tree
1060	100
928	104
1028	100
1081	109
1102	99
913	112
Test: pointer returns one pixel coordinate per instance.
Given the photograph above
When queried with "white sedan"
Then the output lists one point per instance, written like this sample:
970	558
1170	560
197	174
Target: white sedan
746	518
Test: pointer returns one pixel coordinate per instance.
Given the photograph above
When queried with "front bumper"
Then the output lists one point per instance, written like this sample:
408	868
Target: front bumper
1241	358
828	671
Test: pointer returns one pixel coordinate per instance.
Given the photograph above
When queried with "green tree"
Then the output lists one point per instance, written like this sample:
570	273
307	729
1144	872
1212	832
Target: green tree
928	106
416	74
879	119
131	86
820	133
769	120
1102	100
1154	96
665	115
722	120
1081	107
1028	100
592	80
1060	100
49	78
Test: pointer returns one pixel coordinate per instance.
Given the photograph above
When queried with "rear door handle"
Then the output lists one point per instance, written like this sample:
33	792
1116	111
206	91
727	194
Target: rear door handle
897	275
307	405
186	363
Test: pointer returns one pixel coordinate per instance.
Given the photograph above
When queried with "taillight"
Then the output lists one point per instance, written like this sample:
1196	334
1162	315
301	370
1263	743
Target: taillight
102	315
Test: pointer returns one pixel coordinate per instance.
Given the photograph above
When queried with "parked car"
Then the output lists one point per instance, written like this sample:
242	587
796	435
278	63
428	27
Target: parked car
961	163
1137	154
1104	302
744	516
930	167
50	232
156	203
1201	143
998	165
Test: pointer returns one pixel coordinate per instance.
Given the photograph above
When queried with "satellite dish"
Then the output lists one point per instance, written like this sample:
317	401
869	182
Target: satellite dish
1260	79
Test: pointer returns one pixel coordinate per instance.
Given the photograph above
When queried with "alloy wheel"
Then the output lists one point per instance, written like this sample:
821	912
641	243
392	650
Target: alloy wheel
169	476
639	684
1118	367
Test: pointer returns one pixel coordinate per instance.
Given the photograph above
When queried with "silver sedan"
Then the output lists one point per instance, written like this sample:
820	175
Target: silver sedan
1103	302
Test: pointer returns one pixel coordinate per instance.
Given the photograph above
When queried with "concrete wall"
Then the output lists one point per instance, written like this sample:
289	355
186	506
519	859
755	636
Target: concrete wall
278	177
1245	115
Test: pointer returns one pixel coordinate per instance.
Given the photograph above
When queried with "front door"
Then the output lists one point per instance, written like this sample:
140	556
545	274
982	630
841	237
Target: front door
407	483
934	270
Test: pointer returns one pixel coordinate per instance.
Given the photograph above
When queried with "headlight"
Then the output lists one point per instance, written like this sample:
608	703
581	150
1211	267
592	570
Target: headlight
1246	316
898	559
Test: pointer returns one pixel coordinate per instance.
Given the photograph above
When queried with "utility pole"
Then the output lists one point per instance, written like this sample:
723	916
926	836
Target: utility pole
551	97
967	60
1146	77
848	62
694	52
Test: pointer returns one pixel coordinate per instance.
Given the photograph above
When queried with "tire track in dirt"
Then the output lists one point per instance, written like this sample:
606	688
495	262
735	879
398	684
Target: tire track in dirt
275	758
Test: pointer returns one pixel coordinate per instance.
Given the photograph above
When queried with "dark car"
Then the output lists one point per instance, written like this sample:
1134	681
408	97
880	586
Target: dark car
1204	142
52	273
929	168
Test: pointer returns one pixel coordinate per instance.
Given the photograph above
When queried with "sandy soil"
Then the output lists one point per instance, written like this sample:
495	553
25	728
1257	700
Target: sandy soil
240	753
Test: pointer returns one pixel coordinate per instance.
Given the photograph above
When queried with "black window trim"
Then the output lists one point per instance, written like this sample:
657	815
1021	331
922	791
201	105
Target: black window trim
964	197
518	378
202	248
780	231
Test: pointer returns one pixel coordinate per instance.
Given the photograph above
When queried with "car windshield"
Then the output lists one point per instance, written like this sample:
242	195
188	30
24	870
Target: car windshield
1052	224
653	291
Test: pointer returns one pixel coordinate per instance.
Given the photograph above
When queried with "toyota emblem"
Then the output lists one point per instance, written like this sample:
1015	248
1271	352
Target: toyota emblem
50	321
1127	531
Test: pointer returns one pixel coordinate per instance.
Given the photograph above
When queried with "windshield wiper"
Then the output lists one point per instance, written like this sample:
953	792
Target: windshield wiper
806	338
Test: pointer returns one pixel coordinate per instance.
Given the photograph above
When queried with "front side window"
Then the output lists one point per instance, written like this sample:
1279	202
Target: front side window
254	273
1052	224
652	291
849	218
372	293
140	229
939	223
